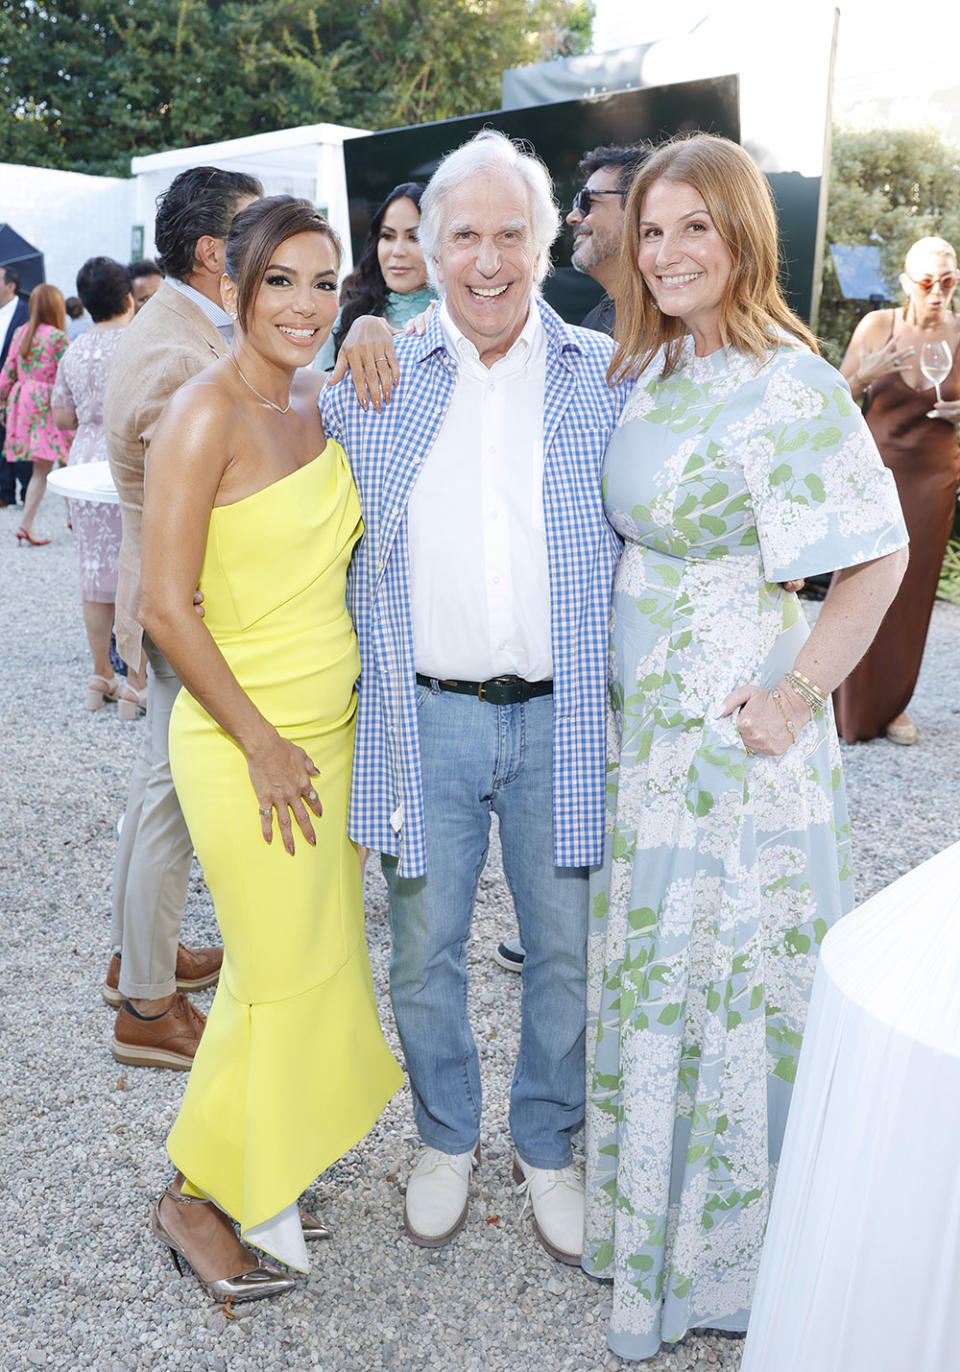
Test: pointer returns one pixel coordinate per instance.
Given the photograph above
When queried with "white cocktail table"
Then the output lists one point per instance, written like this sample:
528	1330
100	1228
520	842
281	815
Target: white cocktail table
87	481
861	1265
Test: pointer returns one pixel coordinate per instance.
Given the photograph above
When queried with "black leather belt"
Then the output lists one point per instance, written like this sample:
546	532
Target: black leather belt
500	690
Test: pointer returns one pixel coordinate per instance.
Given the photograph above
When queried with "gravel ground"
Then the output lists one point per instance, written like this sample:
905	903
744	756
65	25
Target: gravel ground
84	1283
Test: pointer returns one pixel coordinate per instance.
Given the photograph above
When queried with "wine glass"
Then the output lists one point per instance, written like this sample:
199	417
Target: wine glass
935	363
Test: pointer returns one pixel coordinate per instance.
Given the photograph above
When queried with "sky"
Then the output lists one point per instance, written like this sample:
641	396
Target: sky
876	52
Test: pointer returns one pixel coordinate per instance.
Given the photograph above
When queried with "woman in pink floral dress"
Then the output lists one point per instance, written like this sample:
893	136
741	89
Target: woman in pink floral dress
104	288
25	385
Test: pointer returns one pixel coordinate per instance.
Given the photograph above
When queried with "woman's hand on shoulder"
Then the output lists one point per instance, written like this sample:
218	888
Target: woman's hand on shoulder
282	775
368	353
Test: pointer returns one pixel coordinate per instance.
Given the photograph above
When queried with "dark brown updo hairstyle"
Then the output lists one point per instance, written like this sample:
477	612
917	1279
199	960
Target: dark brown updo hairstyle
258	231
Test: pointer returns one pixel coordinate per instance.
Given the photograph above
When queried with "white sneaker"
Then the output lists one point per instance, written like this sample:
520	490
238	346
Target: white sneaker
556	1197
435	1207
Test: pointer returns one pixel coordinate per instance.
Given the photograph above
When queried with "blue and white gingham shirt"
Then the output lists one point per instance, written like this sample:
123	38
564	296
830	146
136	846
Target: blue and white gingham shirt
386	451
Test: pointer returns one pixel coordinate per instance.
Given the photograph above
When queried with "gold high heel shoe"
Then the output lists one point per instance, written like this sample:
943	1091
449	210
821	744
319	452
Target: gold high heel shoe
265	1279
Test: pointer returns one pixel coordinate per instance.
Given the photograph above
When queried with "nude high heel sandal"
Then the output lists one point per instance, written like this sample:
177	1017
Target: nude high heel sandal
100	690
265	1279
131	702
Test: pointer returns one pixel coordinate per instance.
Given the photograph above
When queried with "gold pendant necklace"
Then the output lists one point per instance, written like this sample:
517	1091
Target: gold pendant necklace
281	409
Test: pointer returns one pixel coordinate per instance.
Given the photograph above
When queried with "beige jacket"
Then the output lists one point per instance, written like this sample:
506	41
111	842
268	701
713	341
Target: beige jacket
167	343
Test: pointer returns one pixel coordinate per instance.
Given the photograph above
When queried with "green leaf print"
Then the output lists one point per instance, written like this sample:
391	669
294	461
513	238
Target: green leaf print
715	493
749	536
688	529
640	1262
737	505
713	1000
601	905
668	574
756	998
819	930
733	1019
694	464
816	487
670	1013
712	524
604	1255
686	506
682	1288
704	804
794	444
696	1152
781	474
795	942
786	1070
826	438
842	401
642	919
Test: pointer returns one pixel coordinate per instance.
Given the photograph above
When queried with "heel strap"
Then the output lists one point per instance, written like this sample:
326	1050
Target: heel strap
181	1199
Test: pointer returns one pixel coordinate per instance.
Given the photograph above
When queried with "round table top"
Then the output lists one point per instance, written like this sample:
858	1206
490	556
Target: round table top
897	957
87	481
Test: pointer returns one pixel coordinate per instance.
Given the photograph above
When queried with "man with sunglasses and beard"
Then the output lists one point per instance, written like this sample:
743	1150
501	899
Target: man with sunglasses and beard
597	222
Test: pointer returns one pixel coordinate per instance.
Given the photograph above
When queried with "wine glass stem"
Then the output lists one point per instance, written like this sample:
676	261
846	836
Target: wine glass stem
937	385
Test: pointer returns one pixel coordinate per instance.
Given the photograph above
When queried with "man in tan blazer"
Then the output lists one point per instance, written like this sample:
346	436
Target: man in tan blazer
180	330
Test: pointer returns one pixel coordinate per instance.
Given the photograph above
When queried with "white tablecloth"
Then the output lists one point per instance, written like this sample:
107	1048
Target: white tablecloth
87	481
861	1265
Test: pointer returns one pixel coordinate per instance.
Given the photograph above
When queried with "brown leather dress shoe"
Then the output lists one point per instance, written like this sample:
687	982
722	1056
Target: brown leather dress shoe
170	1040
196	968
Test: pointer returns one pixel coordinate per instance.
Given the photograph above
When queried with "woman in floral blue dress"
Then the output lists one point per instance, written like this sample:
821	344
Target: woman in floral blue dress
740	462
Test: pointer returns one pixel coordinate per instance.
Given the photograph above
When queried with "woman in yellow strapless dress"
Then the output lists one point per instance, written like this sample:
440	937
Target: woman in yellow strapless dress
246	498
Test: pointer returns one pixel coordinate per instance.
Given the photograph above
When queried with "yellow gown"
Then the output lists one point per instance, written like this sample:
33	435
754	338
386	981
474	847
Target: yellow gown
292	1069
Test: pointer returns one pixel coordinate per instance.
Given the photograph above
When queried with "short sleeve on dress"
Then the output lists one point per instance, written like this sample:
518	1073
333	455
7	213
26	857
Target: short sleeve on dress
61	393
822	497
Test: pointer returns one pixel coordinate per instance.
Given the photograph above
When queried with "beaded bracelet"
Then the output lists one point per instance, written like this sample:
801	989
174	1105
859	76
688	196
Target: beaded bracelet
808	691
791	728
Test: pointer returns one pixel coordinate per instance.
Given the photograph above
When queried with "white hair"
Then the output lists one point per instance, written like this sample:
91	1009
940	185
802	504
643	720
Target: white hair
490	151
923	246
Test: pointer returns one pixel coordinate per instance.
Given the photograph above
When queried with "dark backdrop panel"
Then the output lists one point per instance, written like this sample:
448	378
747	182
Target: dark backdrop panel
559	133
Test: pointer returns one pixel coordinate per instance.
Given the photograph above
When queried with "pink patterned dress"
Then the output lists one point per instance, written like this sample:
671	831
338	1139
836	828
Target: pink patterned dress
25	386
80	384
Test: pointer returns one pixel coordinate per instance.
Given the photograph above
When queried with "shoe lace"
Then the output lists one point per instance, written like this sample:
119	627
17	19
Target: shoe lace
549	1180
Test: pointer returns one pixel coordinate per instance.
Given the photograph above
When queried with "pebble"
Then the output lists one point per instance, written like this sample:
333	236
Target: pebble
84	1141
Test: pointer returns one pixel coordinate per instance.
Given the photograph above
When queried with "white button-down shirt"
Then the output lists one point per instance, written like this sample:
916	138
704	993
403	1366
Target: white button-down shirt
7	312
479	576
214	312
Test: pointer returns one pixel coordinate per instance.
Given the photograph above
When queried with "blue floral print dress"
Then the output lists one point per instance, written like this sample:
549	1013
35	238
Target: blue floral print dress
722	871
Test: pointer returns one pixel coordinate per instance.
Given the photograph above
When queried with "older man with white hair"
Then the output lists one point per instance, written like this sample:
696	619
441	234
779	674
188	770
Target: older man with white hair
480	594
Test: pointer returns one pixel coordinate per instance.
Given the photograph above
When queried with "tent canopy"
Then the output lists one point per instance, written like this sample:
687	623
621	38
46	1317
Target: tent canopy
16	252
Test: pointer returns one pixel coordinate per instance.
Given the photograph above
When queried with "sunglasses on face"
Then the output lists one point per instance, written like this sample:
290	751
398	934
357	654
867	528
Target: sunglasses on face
927	283
583	200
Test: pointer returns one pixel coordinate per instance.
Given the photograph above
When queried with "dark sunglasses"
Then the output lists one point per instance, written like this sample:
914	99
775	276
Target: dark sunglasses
927	283
583	200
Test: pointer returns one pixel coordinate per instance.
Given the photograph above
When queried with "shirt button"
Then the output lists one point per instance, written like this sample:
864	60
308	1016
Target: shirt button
492	448
493	514
495	580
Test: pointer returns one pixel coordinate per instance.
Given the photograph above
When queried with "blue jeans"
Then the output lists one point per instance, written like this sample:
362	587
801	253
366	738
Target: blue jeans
479	757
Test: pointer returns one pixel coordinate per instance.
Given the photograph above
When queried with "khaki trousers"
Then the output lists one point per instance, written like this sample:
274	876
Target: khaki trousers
154	853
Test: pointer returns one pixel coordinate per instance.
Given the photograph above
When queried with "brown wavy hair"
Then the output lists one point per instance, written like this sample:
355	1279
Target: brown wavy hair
753	313
47	306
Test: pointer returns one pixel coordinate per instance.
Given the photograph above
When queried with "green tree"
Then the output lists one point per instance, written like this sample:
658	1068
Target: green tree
888	187
86	84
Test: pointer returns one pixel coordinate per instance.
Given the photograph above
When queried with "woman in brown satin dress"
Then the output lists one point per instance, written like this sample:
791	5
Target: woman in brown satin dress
883	361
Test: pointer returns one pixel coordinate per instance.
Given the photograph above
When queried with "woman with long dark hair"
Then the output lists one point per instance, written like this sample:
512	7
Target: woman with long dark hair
247	499
390	280
26	383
